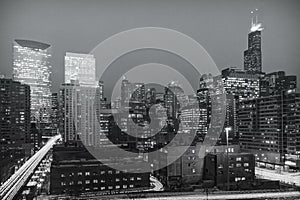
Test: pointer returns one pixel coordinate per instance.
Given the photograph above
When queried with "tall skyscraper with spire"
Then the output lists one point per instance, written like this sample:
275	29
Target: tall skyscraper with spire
253	55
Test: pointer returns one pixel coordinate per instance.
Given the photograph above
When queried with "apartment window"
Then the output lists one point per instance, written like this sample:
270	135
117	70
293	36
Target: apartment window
125	186
87	181
102	181
95	181
71	183
238	165
132	178
117	179
71	174
102	188
124	179
102	172
87	173
138	178
193	170
246	164
109	172
79	173
238	159
79	182
117	187
62	183
117	172
62	175
110	187
131	186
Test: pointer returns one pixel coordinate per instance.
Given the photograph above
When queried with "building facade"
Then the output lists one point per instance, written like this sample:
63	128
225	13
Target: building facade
75	171
229	170
276	82
16	138
78	113
240	83
14	114
269	126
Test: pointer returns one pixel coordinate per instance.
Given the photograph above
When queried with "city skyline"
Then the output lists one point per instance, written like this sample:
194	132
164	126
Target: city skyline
230	17
140	99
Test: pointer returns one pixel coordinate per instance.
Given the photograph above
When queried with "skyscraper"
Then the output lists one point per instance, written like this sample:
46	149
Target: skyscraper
77	98
31	66
253	55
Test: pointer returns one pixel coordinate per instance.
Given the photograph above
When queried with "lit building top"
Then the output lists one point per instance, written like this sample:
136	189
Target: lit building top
80	67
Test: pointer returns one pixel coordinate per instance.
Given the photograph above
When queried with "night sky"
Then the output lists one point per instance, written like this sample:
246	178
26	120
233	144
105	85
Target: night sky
221	26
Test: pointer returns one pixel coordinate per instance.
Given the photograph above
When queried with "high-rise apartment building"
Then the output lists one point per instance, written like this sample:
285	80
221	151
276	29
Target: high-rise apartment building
269	126
78	108
31	66
16	138
14	114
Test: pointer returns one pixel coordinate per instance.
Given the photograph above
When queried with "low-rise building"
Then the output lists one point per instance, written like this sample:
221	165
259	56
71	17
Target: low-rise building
229	170
74	170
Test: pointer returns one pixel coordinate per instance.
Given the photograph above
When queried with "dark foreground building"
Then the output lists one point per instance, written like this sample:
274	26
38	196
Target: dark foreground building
229	171
74	170
16	139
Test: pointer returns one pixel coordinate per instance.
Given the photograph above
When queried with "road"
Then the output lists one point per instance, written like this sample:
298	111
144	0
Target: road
286	177
228	196
12	186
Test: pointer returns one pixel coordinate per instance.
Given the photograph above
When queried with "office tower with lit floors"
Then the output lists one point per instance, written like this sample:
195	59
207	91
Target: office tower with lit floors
31	66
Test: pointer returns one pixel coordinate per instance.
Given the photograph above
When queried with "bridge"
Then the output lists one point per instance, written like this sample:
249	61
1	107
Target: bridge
13	185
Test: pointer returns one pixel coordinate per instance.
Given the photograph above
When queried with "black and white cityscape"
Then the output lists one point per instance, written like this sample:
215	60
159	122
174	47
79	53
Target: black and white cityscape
149	100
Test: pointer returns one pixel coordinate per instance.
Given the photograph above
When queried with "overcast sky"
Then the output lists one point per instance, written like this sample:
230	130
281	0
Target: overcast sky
221	26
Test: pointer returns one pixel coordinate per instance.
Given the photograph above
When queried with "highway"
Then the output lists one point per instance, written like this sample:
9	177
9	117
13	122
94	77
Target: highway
285	177
12	186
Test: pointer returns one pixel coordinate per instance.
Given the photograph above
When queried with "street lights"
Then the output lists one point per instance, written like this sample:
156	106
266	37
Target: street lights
227	129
